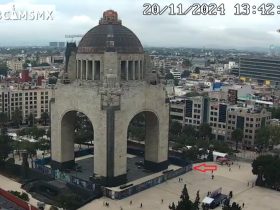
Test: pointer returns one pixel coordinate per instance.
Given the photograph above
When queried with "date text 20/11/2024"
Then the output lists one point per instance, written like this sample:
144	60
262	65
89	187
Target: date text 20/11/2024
210	9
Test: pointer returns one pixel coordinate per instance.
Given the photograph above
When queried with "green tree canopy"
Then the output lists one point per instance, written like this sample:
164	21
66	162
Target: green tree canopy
263	136
186	63
5	146
3	119
185	74
184	203
205	131
169	76
44	118
197	70
234	206
237	136
17	117
175	128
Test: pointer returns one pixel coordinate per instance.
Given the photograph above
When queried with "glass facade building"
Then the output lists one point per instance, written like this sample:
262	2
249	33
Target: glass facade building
264	70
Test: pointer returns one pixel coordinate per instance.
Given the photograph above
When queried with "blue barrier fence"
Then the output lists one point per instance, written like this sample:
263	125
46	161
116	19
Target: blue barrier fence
145	185
59	175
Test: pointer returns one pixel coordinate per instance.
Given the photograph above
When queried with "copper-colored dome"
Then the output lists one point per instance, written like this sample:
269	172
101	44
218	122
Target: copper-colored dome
110	36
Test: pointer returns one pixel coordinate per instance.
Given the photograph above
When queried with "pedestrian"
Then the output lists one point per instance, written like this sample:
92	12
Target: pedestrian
121	208
212	176
243	204
239	166
130	202
248	184
161	201
141	205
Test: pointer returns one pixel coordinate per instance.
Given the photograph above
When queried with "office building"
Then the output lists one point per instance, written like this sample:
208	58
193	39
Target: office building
222	117
264	70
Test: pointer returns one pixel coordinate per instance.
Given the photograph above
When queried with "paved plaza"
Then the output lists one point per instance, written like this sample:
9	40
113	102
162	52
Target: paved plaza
255	198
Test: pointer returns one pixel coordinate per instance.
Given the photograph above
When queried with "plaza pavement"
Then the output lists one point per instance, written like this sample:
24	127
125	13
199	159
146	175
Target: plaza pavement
236	180
255	198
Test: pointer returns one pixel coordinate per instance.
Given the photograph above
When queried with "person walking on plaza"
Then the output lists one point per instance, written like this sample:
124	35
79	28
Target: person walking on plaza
243	204
130	202
141	205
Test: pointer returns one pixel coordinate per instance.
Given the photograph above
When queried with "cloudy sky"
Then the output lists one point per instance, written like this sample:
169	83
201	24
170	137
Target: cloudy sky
78	16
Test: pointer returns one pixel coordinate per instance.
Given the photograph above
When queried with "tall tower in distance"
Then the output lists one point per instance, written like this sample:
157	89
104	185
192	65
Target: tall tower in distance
110	80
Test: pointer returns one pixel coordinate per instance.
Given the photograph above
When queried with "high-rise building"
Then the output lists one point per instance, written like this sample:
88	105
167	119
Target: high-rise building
264	70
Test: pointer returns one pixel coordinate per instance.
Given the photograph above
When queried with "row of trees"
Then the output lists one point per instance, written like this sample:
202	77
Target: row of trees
185	203
17	118
200	139
275	112
268	135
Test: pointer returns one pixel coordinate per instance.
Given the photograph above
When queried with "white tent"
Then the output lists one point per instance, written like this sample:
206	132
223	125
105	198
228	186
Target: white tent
207	200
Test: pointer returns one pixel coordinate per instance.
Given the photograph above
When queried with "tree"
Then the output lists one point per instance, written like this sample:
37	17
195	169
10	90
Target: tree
234	206
83	129
197	201
197	70
44	118
3	119
237	135
274	132
185	203
185	74
275	112
5	146
266	167
191	154
169	76
17	117
186	63
175	128
3	68
210	156
205	131
69	201
189	130
44	145
176	82
30	119
262	137
30	147
22	195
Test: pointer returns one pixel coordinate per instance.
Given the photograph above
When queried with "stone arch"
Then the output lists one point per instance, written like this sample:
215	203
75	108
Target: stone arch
152	140
67	132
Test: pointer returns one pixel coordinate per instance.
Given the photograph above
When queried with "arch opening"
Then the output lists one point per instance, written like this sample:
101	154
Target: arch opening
143	142
77	136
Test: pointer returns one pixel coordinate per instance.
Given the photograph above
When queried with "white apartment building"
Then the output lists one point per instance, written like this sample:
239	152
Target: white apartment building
15	64
176	74
33	100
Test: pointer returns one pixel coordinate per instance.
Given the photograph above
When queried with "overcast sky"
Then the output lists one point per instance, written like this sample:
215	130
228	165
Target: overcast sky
78	16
